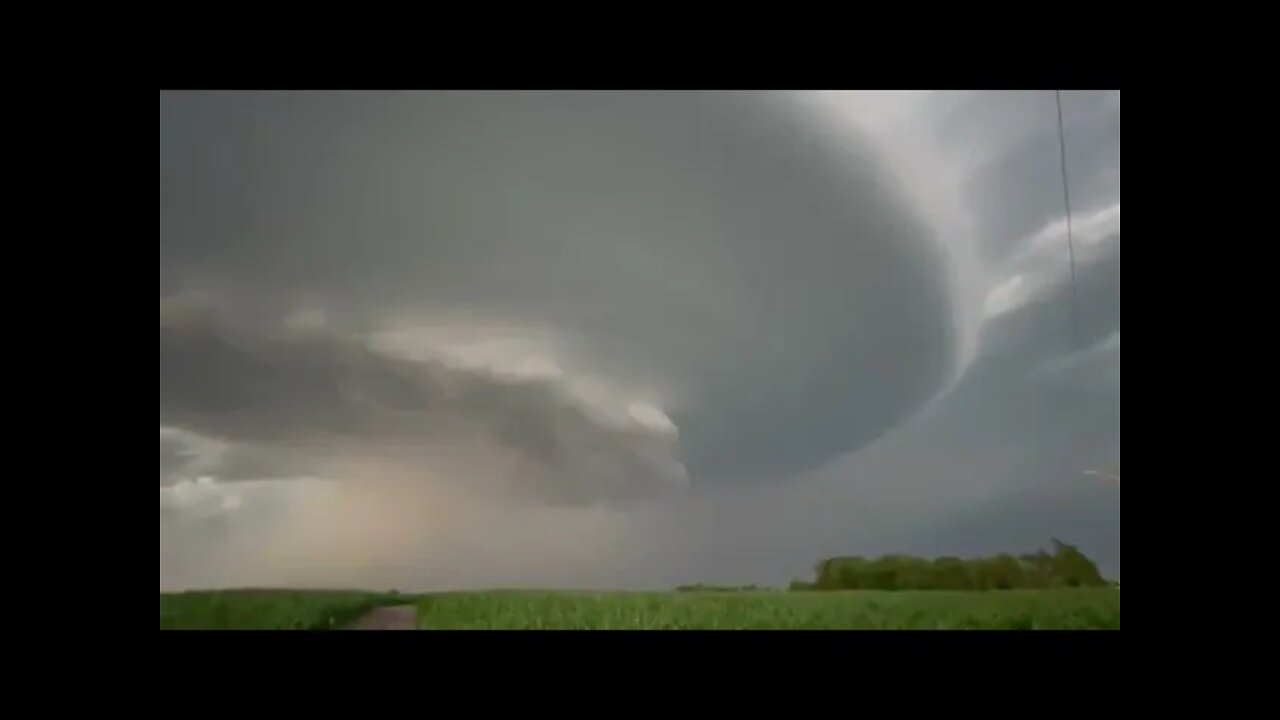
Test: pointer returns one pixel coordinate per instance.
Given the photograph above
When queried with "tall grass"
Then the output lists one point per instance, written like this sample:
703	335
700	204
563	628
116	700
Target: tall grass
1090	608
267	609
1073	608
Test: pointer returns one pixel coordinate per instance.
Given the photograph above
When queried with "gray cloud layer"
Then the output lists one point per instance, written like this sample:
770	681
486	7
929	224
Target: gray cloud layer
481	315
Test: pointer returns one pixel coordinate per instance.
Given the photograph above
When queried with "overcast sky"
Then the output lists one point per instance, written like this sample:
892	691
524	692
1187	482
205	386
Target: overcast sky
630	339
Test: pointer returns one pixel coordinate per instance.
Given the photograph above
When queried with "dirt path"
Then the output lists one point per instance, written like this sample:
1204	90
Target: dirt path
395	617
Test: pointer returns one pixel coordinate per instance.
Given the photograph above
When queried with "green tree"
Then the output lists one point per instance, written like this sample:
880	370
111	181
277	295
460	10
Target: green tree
883	573
951	573
852	574
1006	574
1073	568
1065	567
914	573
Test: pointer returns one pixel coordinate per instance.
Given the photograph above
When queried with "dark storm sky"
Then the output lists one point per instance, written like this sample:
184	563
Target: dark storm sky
628	339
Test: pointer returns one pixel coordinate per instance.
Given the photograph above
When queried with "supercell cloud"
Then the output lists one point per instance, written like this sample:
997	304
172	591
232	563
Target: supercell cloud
626	339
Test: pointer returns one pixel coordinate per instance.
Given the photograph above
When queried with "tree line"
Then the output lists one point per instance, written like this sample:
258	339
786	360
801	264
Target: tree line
703	587
1066	566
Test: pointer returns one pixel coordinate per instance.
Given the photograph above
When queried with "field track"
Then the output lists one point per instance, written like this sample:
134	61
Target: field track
392	617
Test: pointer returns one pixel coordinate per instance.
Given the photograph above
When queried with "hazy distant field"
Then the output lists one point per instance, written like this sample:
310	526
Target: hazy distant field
1092	608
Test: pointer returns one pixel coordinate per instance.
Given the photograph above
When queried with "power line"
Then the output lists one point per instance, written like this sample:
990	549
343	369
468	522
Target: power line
1066	201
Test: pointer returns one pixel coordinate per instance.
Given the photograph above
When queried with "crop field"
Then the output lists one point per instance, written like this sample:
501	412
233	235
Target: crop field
266	609
1068	608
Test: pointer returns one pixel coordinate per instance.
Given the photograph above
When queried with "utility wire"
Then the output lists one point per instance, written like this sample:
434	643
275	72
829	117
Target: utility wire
1066	200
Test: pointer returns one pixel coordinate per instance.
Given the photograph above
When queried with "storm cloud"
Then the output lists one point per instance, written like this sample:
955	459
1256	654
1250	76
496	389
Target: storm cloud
625	339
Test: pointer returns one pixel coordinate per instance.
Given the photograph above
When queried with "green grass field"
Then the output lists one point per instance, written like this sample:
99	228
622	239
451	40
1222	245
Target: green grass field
266	609
1092	608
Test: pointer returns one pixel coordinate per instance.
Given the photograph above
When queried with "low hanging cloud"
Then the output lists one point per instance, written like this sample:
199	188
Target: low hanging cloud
314	400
